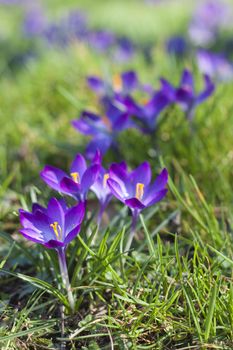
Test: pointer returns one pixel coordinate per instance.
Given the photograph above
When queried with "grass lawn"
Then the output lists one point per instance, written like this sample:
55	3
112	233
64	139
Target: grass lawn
173	289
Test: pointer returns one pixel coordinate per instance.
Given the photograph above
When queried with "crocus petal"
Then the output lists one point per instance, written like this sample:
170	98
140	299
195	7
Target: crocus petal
157	197
72	234
52	244
26	220
118	172
134	203
36	206
56	213
117	190
142	174
158	102
98	157
160	181
130	80
38	221
89	177
68	186
159	184
99	143
32	235
78	165
184	96
84	127
52	176
122	123
74	217
209	89
168	89
187	79
96	84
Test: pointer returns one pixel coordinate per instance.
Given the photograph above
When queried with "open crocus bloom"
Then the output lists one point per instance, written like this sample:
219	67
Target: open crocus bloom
148	113
134	188
78	182
185	94
124	83
101	189
54	226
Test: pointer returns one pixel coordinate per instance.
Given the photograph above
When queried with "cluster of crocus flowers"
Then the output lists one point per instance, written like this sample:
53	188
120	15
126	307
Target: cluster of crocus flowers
207	21
123	110
215	65
74	27
57	225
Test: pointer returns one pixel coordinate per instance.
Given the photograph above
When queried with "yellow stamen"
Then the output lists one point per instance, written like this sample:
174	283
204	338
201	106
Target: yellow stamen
106	177
145	101
75	177
107	122
57	229
117	83
139	190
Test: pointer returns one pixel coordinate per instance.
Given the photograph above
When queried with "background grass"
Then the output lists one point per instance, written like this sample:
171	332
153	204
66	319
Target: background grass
180	294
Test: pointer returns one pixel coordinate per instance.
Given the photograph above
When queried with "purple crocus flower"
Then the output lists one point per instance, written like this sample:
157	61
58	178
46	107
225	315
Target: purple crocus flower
75	25
103	130
78	182
177	46
185	94
123	84
55	35
54	227
148	112
101	40
207	21
35	22
135	190
102	191
215	65
124	50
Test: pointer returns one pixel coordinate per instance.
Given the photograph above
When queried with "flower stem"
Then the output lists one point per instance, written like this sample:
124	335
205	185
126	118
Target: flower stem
65	276
133	228
103	206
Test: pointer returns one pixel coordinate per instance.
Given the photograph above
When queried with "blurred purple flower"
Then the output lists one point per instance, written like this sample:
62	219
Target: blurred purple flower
101	40
103	130
75	25
215	65
185	94
34	22
176	46
148	112
54	226
124	83
207	21
124	50
78	182
102	191
71	27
